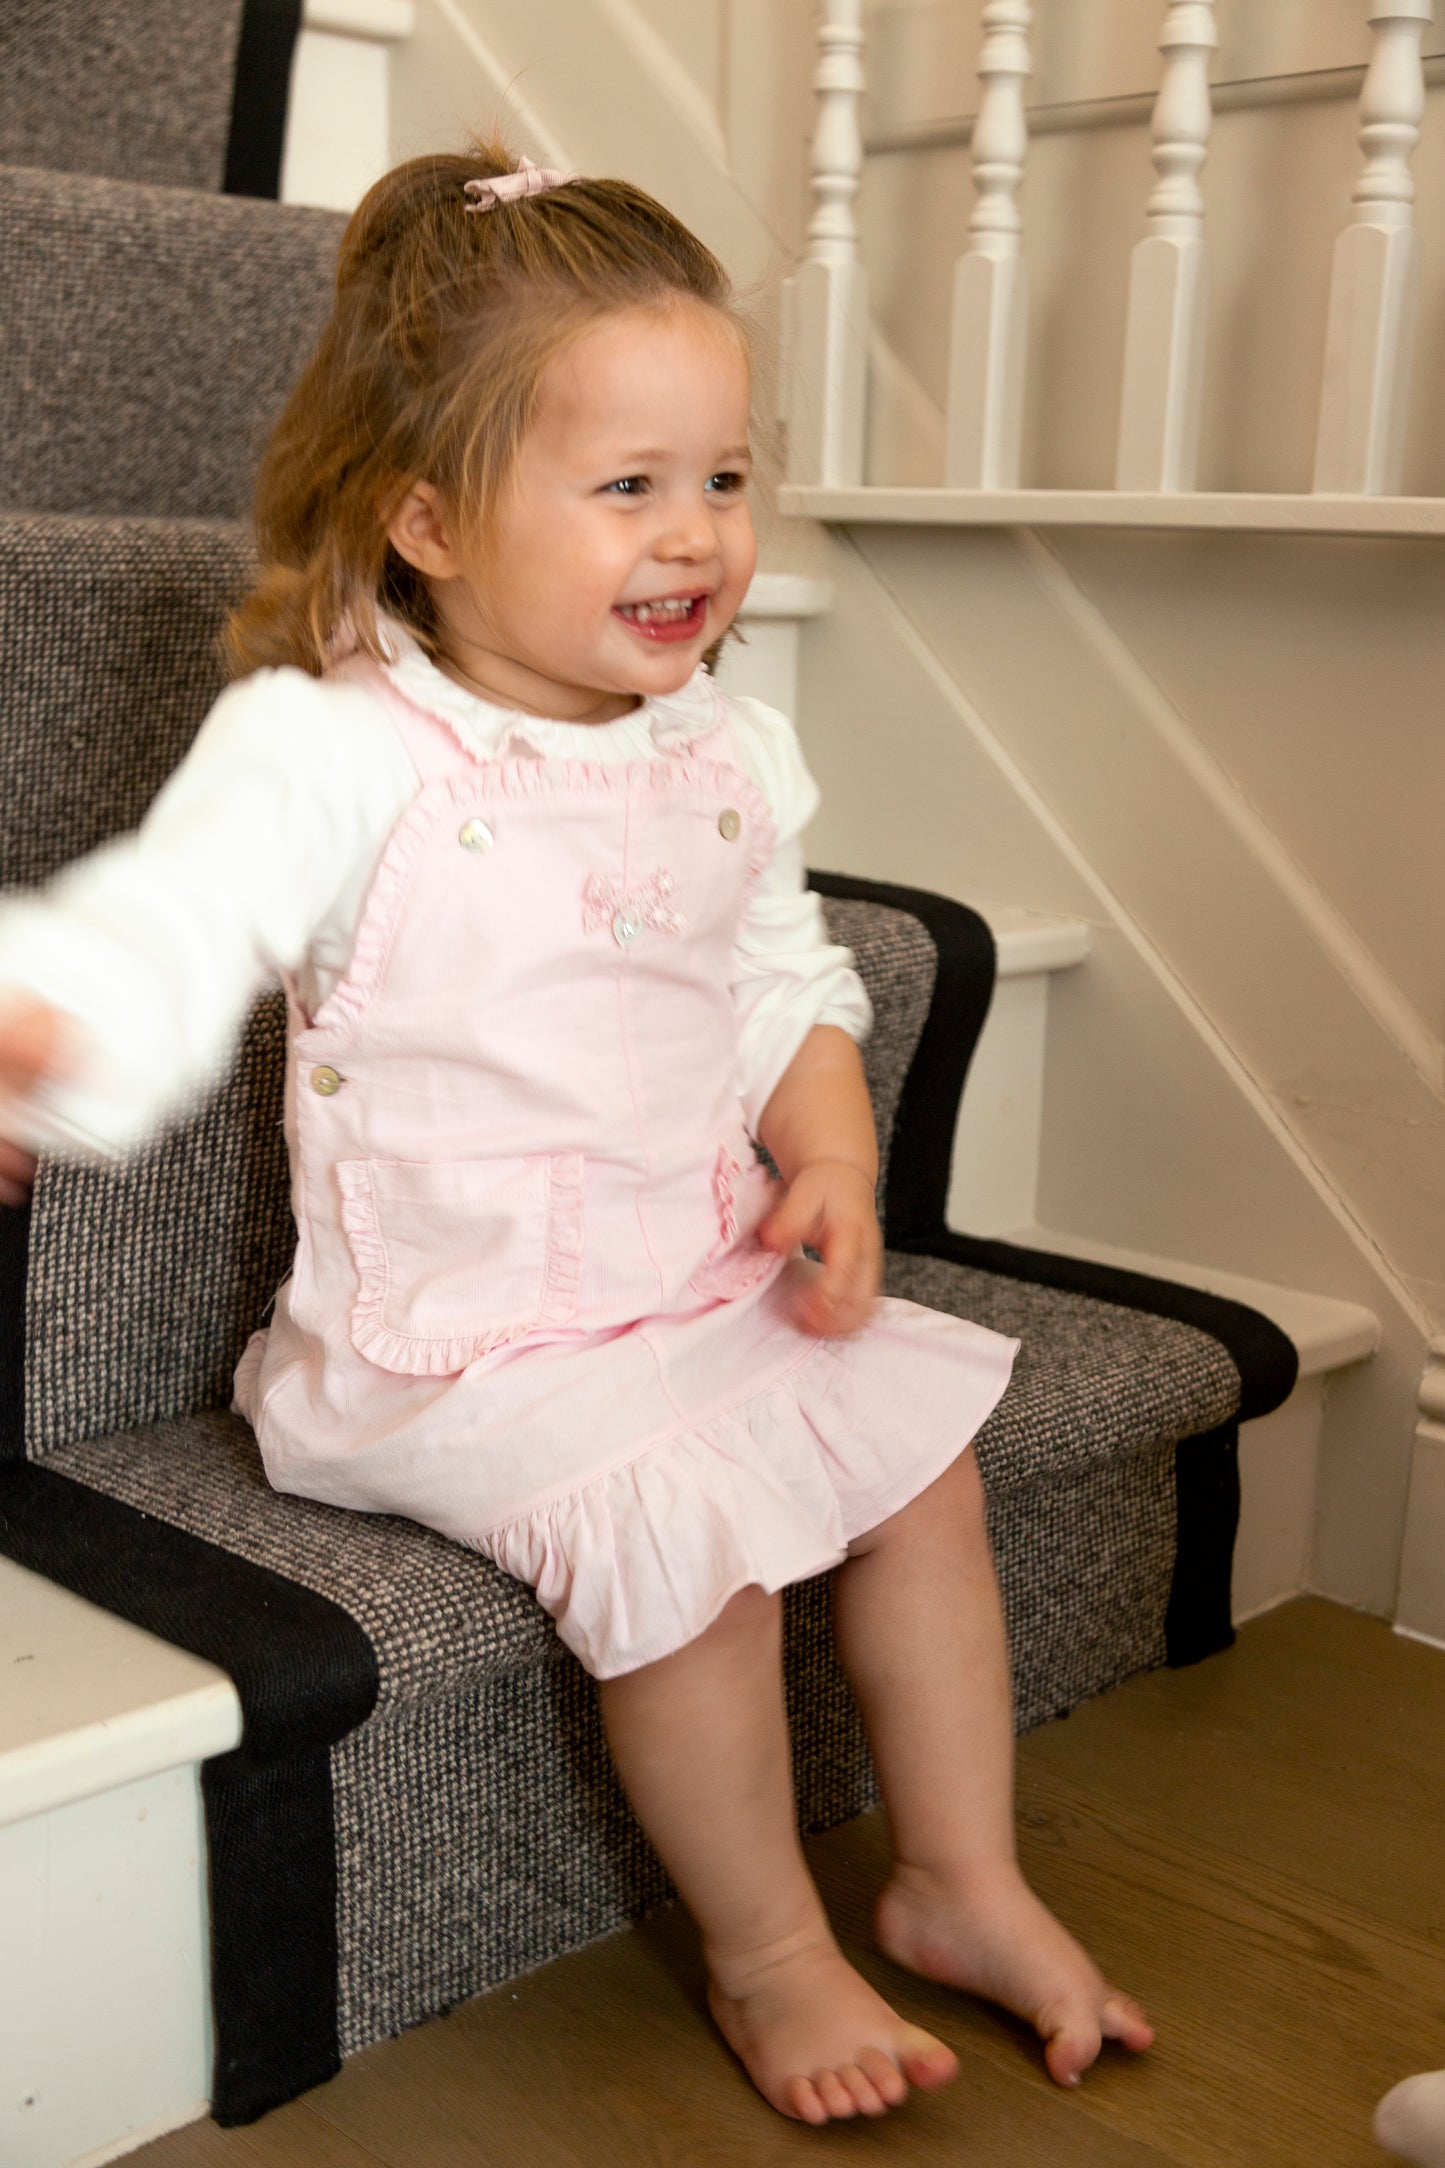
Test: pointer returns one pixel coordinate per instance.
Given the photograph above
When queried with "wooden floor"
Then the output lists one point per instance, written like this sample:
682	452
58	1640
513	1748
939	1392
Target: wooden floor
1255	1846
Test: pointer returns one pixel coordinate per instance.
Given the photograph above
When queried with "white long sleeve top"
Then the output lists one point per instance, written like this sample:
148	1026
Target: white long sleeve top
254	863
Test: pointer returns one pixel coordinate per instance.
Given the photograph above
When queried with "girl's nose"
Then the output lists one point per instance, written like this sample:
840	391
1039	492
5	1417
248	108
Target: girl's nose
690	534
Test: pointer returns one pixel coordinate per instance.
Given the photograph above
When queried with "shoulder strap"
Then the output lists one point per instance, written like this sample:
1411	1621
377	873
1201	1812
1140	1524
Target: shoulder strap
431	742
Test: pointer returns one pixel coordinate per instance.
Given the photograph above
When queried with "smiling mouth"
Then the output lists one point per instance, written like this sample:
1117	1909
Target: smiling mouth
673	617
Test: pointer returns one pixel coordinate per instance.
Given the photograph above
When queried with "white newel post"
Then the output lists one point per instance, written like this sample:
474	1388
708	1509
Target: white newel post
828	298
1376	272
990	287
1169	273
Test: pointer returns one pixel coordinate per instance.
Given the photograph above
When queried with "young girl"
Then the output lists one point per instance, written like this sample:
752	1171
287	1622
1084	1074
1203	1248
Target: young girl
536	893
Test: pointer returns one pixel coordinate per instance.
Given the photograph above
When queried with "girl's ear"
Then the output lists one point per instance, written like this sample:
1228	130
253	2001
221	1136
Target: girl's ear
420	531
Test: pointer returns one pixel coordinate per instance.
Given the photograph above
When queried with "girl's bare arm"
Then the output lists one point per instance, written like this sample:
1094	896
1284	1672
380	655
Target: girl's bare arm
818	1125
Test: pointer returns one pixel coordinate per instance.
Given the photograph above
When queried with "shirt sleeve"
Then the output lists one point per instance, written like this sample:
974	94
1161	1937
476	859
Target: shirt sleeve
156	945
788	977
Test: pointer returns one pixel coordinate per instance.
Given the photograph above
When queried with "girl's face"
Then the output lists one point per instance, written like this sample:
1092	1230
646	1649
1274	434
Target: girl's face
624	545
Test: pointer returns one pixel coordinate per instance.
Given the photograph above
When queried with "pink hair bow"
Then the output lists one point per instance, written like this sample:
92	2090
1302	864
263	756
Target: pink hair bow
528	180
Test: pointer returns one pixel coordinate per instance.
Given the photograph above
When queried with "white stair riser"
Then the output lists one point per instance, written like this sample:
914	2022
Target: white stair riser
105	2034
339	130
1278	1468
338	121
995	1179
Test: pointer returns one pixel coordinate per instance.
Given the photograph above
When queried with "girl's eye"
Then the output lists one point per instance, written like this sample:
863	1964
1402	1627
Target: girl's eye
628	485
728	484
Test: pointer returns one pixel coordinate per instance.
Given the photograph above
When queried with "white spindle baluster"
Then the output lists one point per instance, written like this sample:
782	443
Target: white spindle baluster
990	290
827	310
1372	292
1169	273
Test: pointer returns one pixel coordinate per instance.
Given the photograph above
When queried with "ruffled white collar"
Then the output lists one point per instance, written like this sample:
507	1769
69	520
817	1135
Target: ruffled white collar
667	724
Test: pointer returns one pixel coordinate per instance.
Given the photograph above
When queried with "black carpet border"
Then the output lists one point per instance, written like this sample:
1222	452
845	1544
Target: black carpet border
1198	1620
260	97
921	1150
271	1838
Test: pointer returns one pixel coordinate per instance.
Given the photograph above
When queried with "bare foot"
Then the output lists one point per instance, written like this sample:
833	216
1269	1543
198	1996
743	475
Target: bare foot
1005	1945
815	2039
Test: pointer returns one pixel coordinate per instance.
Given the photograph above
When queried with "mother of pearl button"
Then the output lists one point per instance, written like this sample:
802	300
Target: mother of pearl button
625	928
326	1081
730	824
475	836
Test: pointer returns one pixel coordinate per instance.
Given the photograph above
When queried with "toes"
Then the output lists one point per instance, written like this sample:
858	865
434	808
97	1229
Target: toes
834	2094
864	2094
885	2077
1124	2020
928	2065
800	2099
1069	2050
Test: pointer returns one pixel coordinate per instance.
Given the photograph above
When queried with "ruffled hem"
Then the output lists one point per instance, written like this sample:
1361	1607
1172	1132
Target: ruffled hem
641	1559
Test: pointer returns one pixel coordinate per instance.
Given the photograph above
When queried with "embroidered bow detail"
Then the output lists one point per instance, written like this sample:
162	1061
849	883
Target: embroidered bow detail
606	902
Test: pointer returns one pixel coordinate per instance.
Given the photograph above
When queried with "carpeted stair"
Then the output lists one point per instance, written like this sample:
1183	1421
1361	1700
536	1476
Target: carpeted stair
184	93
151	336
421	1806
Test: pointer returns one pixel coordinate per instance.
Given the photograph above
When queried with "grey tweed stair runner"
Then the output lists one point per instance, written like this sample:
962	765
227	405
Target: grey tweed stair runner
151	337
185	93
421	1806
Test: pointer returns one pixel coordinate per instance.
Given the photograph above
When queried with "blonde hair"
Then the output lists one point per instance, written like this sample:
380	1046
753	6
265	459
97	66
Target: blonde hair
428	370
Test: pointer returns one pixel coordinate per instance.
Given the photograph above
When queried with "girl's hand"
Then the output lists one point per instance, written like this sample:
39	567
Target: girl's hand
31	1038
829	1206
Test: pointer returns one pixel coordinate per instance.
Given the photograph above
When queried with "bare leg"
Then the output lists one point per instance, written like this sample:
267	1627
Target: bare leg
920	1630
701	1745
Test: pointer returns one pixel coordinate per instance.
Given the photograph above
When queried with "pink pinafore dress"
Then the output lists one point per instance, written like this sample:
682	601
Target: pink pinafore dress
528	1307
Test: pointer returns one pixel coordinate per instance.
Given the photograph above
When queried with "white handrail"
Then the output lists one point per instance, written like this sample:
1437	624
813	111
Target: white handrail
1169	273
1360	446
990	282
828	297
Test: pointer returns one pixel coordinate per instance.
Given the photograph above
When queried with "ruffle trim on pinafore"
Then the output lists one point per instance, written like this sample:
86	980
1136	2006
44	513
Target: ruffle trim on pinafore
731	1268
386	898
638	1561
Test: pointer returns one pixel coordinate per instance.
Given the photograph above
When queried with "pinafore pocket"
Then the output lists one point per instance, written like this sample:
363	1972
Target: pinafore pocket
456	1258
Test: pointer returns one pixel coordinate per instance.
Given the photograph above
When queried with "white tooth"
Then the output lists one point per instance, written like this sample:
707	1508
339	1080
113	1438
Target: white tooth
666	611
